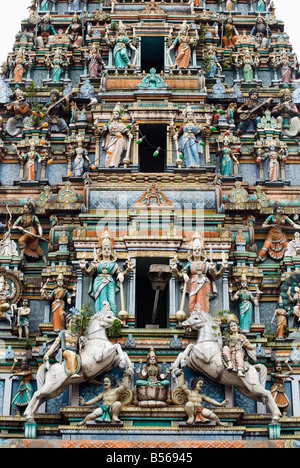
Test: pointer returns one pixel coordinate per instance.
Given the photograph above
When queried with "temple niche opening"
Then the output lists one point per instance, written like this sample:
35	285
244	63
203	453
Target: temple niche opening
149	217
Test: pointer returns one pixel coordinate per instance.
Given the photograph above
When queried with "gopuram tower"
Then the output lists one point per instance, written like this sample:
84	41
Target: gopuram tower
150	232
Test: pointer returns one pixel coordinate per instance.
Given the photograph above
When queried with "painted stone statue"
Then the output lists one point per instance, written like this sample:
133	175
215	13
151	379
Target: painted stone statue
188	140
234	353
25	390
22	317
279	377
122	46
196	412
105	273
117	138
111	407
183	43
200	275
282	320
276	243
246	299
58	298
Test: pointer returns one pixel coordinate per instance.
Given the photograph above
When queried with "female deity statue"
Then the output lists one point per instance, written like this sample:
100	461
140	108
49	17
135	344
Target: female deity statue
57	65
32	230
279	377
58	297
122	44
212	63
249	63
45	32
227	156
25	391
231	33
199	275
275	159
183	43
81	155
282	321
286	68
117	138
262	5
152	374
107	272
237	349
189	146
31	159
45	5
276	243
245	298
295	299
19	65
95	62
74	31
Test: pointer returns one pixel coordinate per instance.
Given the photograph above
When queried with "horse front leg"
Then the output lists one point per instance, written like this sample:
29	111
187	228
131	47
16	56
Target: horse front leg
180	363
125	363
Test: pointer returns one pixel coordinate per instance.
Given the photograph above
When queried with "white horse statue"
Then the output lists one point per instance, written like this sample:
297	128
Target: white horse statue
98	355
206	357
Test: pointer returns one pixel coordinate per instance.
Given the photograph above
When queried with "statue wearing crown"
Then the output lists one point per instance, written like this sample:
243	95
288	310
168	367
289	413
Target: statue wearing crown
105	274
199	275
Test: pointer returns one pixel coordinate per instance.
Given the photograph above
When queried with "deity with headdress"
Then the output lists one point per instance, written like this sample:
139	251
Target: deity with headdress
200	275
116	139
105	274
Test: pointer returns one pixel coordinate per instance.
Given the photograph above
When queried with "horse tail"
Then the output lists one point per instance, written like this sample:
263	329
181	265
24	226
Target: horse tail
40	377
263	374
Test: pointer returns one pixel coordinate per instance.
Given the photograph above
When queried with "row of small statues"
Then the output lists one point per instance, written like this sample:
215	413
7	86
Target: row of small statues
189	140
152	382
125	51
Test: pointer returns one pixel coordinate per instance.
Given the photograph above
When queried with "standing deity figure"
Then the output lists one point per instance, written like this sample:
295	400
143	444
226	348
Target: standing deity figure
212	63
58	297
25	391
279	377
249	62
183	43
275	158
74	32
231	33
276	243
68	344
22	317
57	64
245	298
230	4
262	5
227	156
151	375
238	348
200	275
122	45
95	62
45	32
32	230
31	158
81	157
111	406
286	67
105	273
117	138
282	321
19	65
189	146
194	408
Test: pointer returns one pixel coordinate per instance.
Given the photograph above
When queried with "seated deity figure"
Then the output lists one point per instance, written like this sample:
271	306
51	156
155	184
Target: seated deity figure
238	348
105	274
231	33
200	275
45	32
74	32
151	374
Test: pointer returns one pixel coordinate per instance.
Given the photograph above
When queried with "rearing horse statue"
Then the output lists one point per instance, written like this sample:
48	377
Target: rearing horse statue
99	355
206	357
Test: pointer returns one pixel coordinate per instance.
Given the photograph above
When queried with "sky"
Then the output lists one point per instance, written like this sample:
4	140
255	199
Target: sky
14	11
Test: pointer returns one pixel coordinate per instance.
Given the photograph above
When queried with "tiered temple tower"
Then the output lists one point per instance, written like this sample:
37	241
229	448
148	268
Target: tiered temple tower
149	169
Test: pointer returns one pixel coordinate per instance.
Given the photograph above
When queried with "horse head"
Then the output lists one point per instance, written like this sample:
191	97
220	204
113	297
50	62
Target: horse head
195	321
207	326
